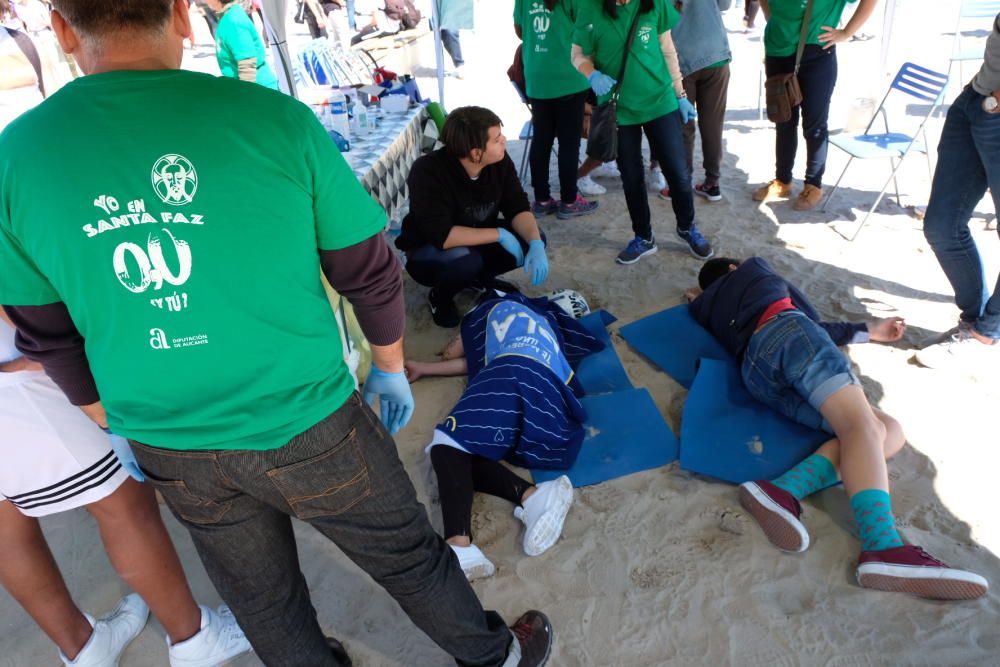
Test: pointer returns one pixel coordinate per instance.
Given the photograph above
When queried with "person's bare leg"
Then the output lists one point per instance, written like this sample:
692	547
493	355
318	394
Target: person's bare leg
29	573
143	555
862	438
893	442
589	165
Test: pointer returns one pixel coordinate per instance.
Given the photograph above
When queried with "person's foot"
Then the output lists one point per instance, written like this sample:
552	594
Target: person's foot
773	191
219	640
547	207
112	634
532	641
443	310
636	250
655	180
544	513
777	513
962	350
709	192
910	569
574	210
606	170
809	198
664	194
460	71
934	339
474	562
697	244
588	187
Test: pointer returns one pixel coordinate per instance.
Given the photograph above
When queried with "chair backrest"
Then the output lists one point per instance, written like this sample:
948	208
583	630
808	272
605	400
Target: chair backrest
920	82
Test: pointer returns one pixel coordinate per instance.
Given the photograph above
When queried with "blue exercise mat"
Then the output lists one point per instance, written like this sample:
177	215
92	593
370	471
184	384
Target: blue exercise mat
726	433
674	342
601	373
625	434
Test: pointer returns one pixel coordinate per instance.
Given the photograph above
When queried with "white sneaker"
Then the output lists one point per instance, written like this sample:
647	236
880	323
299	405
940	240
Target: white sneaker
655	180
474	562
607	170
543	514
934	339
219	640
962	350
112	633
589	188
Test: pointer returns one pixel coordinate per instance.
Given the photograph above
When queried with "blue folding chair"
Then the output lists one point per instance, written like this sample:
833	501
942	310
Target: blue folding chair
971	15
925	85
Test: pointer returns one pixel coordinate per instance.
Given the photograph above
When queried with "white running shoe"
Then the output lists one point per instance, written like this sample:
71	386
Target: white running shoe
543	514
606	170
219	640
655	180
961	350
589	188
474	562
112	633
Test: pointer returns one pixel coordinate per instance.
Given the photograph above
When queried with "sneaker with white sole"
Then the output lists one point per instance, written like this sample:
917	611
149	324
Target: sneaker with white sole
219	639
636	249
910	569
934	339
961	350
655	180
474	562
709	192
531	644
607	170
777	513
589	188
112	634
544	513
698	245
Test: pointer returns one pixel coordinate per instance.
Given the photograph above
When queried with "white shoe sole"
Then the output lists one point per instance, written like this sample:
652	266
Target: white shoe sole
547	529
479	570
651	251
780	526
936	583
707	196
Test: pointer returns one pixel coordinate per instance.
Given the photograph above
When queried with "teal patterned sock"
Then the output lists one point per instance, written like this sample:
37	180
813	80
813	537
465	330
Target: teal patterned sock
877	527
813	474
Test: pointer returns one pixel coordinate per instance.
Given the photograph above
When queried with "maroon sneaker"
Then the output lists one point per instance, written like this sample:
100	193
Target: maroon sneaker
532	641
910	569
576	208
777	512
547	207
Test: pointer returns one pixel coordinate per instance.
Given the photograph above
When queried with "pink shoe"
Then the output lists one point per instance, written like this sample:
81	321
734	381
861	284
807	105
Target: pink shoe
777	512
910	569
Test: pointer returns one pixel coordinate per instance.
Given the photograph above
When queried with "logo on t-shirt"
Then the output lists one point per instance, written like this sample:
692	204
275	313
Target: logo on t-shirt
175	180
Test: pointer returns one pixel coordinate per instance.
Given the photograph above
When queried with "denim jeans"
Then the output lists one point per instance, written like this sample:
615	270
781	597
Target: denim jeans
666	145
817	78
558	118
344	478
968	163
451	43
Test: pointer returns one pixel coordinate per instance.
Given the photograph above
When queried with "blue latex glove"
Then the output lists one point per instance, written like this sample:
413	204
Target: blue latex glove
687	110
511	245
126	457
600	82
395	397
536	264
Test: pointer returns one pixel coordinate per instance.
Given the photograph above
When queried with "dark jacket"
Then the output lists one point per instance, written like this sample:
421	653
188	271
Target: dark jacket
443	196
732	306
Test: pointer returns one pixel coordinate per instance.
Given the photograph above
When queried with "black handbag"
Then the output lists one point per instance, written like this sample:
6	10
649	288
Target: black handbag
602	142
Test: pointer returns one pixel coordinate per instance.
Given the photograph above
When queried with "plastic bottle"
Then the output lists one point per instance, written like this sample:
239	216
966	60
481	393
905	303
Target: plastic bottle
338	114
359	114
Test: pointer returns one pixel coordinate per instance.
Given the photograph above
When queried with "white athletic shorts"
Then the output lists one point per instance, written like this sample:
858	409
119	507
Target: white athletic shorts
52	457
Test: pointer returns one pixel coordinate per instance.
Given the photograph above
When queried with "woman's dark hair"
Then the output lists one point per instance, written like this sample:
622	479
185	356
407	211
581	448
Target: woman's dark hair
551	4
714	269
611	7
466	129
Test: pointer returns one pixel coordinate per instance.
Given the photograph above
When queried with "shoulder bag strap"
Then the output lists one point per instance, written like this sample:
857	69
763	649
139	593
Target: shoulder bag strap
803	34
30	52
628	48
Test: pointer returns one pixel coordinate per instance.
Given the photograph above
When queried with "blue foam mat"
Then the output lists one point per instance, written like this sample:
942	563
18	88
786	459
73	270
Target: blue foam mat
601	373
674	342
625	434
727	434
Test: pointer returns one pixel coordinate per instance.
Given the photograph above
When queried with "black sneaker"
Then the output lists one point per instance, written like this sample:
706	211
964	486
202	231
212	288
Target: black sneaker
697	244
443	311
499	285
533	635
709	192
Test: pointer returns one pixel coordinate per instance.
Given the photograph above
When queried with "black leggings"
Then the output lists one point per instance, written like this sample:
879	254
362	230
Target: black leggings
459	475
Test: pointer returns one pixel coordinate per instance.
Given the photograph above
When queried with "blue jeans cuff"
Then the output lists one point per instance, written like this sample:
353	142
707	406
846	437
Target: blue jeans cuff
830	386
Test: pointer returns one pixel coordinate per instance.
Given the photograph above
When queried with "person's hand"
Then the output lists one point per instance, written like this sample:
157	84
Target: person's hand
600	82
414	370
511	245
692	293
395	397
126	456
828	36
20	364
686	109
536	264
886	329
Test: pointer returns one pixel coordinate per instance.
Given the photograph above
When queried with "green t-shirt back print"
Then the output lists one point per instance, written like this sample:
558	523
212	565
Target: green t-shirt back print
548	68
781	35
186	253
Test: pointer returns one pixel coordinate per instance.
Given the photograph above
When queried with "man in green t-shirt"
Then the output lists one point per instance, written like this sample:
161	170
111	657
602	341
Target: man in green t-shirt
170	285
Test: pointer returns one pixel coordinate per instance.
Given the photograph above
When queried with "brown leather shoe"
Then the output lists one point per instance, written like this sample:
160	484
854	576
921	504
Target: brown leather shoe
808	198
772	191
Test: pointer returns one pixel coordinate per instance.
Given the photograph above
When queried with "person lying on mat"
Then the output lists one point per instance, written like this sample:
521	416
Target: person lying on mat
790	362
521	406
469	218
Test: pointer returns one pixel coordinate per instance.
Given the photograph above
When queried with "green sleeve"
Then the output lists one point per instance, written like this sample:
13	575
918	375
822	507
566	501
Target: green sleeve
668	17
583	33
518	8
241	42
21	282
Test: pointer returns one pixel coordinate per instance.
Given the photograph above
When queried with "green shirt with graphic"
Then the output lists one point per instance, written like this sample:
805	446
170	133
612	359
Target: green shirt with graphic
647	91
186	253
236	39
548	69
781	35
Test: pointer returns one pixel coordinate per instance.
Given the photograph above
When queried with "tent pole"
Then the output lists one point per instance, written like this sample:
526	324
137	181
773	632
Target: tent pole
438	47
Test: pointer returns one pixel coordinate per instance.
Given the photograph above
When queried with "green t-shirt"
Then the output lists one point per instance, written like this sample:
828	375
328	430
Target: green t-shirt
186	252
781	35
548	69
236	39
647	91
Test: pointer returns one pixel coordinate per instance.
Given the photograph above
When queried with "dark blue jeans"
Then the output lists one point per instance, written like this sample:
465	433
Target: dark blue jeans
666	146
451	43
968	163
817	77
558	118
344	478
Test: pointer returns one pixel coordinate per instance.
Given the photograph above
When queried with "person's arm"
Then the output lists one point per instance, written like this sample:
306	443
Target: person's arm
517	31
461	236
20	363
583	63
247	70
765	9
447	368
673	64
526	226
830	35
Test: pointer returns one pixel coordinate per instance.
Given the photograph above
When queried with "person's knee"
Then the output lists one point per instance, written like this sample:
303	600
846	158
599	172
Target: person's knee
894	438
130	503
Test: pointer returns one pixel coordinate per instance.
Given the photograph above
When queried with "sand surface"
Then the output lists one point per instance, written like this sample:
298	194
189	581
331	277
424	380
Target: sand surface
664	567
